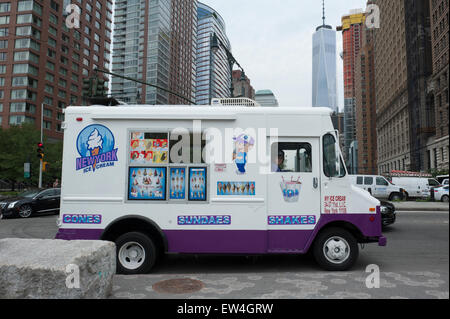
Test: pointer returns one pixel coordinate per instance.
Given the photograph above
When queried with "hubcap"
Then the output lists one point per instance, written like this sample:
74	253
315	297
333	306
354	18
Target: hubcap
336	250
132	255
25	211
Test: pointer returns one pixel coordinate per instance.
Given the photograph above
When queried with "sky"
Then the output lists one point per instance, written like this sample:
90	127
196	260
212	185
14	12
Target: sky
272	41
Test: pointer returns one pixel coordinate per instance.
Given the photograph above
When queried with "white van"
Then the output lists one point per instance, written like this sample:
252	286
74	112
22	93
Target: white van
211	180
415	187
378	186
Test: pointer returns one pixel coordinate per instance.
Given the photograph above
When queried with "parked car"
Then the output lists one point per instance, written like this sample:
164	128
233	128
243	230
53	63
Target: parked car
33	202
388	214
441	194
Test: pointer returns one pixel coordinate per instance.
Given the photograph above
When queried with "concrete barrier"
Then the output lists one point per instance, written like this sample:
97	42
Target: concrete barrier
56	269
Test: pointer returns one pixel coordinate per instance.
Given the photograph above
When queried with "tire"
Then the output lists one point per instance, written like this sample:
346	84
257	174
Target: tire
444	199
25	211
345	252
135	254
395	197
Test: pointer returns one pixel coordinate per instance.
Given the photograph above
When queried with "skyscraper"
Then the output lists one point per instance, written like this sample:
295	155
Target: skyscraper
324	67
365	110
351	36
213	71
43	60
155	41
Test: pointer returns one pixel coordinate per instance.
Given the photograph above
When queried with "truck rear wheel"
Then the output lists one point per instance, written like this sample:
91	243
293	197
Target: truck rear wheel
335	249
136	254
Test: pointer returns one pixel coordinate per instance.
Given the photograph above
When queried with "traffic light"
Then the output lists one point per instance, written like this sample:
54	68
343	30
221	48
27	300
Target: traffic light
45	166
88	87
40	150
100	88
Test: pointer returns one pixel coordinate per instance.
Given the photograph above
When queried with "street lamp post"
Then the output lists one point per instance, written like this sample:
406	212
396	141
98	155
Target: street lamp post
216	43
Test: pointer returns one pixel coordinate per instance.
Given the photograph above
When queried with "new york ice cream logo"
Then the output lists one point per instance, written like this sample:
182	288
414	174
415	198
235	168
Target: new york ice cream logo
95	144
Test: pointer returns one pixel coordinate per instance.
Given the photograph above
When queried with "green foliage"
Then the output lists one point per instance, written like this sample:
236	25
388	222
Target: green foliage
18	145
436	172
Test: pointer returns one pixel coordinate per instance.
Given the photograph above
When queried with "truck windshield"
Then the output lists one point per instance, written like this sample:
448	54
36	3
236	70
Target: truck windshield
332	161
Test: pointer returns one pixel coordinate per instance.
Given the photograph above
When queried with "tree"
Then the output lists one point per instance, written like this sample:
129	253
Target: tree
18	145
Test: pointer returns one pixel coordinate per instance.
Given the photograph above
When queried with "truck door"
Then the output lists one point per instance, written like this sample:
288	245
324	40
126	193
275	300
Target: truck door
294	193
381	188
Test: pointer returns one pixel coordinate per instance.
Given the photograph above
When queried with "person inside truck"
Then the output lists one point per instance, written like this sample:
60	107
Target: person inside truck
277	162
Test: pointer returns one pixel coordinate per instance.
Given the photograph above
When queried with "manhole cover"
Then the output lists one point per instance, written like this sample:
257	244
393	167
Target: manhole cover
178	286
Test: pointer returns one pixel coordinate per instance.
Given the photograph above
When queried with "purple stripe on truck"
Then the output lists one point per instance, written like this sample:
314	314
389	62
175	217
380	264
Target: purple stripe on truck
247	241
79	234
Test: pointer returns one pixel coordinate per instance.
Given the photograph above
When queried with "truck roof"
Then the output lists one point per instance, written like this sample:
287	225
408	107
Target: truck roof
216	112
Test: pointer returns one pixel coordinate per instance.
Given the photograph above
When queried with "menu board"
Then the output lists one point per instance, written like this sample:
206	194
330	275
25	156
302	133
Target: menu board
148	149
177	188
197	184
147	183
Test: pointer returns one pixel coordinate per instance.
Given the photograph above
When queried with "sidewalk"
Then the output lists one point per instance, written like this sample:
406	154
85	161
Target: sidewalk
421	206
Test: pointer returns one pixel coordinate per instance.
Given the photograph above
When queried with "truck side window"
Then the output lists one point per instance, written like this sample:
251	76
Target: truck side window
332	161
291	157
382	182
368	180
359	180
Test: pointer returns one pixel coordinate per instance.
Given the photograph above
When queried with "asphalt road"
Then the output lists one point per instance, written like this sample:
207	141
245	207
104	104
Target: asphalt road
415	264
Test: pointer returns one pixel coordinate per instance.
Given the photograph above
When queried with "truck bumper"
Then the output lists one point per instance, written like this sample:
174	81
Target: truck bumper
382	241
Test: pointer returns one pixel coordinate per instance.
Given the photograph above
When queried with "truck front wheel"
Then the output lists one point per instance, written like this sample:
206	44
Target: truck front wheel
335	249
136	254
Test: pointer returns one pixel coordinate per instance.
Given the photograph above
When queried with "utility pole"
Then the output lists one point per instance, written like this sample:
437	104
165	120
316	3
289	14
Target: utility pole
42	137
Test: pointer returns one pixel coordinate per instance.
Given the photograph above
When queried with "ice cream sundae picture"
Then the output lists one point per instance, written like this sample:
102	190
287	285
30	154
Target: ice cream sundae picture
147	183
290	189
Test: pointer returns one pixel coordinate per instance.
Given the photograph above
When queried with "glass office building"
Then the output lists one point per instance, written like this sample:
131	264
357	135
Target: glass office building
213	71
324	85
147	47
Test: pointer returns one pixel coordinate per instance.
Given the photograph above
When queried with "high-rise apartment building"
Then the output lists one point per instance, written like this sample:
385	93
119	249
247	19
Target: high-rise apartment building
438	148
391	94
365	110
351	36
324	85
213	71
43	59
155	41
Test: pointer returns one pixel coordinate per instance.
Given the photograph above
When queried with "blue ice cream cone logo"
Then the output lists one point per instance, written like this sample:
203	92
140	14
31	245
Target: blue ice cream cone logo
242	146
95	144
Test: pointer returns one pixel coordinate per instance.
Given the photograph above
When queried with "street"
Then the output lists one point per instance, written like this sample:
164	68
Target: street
414	265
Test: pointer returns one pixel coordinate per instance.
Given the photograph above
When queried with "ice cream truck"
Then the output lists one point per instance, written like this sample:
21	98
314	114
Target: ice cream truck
219	179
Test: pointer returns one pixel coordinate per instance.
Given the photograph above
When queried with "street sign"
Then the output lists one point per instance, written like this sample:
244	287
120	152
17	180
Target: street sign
26	170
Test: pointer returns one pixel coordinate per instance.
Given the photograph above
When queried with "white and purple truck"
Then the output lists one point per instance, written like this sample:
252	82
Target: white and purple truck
211	180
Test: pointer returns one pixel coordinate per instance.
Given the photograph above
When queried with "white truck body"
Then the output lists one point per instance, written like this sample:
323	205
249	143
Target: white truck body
415	187
122	173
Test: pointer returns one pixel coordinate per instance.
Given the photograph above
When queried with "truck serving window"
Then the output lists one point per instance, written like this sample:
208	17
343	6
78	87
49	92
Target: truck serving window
161	168
332	162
